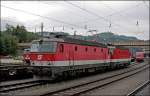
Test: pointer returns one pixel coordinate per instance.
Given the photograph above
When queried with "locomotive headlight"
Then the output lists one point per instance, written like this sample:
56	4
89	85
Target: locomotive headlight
27	57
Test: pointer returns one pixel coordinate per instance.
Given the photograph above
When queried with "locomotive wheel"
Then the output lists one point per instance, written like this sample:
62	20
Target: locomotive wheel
65	74
77	72
72	73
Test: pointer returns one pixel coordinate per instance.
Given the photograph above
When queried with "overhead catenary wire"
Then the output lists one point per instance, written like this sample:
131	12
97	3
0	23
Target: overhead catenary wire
120	13
18	23
138	27
110	15
75	13
124	10
45	17
29	27
89	12
144	1
80	26
115	13
92	13
79	15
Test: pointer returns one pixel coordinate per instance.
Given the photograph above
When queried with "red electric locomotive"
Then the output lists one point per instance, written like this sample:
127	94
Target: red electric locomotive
139	56
63	56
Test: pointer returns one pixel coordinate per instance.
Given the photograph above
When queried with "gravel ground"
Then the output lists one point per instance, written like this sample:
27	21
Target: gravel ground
56	86
16	81
121	87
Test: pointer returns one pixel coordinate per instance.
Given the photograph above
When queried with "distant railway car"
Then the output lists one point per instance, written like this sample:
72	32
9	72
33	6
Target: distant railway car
63	56
121	56
139	56
133	51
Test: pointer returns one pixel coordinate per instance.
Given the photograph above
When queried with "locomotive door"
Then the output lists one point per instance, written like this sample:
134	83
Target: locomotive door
71	56
111	52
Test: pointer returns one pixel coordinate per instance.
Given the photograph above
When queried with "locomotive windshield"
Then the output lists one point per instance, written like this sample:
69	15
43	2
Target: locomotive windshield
44	46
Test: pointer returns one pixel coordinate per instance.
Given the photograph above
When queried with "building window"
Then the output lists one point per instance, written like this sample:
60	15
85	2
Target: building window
61	48
76	48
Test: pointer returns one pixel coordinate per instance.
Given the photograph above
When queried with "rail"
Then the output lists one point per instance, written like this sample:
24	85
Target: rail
86	87
20	85
138	88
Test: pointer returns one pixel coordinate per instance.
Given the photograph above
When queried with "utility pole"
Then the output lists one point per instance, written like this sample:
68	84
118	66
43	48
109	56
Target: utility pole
85	27
137	23
96	35
75	34
35	30
53	28
110	27
42	29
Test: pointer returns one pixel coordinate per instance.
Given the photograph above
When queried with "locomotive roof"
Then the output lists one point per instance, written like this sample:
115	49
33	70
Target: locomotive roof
74	41
83	42
120	47
89	43
80	42
117	46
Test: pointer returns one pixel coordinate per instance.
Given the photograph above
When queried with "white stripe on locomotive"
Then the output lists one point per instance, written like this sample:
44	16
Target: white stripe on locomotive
77	62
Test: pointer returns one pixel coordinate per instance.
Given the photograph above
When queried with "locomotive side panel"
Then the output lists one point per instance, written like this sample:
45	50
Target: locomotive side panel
78	57
81	54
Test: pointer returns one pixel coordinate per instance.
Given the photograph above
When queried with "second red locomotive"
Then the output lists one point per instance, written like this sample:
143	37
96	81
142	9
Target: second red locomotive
63	56
139	56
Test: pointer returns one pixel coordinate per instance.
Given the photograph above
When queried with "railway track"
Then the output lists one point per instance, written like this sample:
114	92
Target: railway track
135	91
14	71
19	85
3	65
89	86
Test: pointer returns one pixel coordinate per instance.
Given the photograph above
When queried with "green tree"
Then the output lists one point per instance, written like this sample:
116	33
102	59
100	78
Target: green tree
21	33
8	44
13	35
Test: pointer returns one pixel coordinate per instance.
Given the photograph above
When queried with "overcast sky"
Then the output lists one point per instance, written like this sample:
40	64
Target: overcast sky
129	18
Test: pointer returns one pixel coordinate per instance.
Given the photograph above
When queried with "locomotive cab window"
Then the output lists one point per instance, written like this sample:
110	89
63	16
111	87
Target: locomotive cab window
44	46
